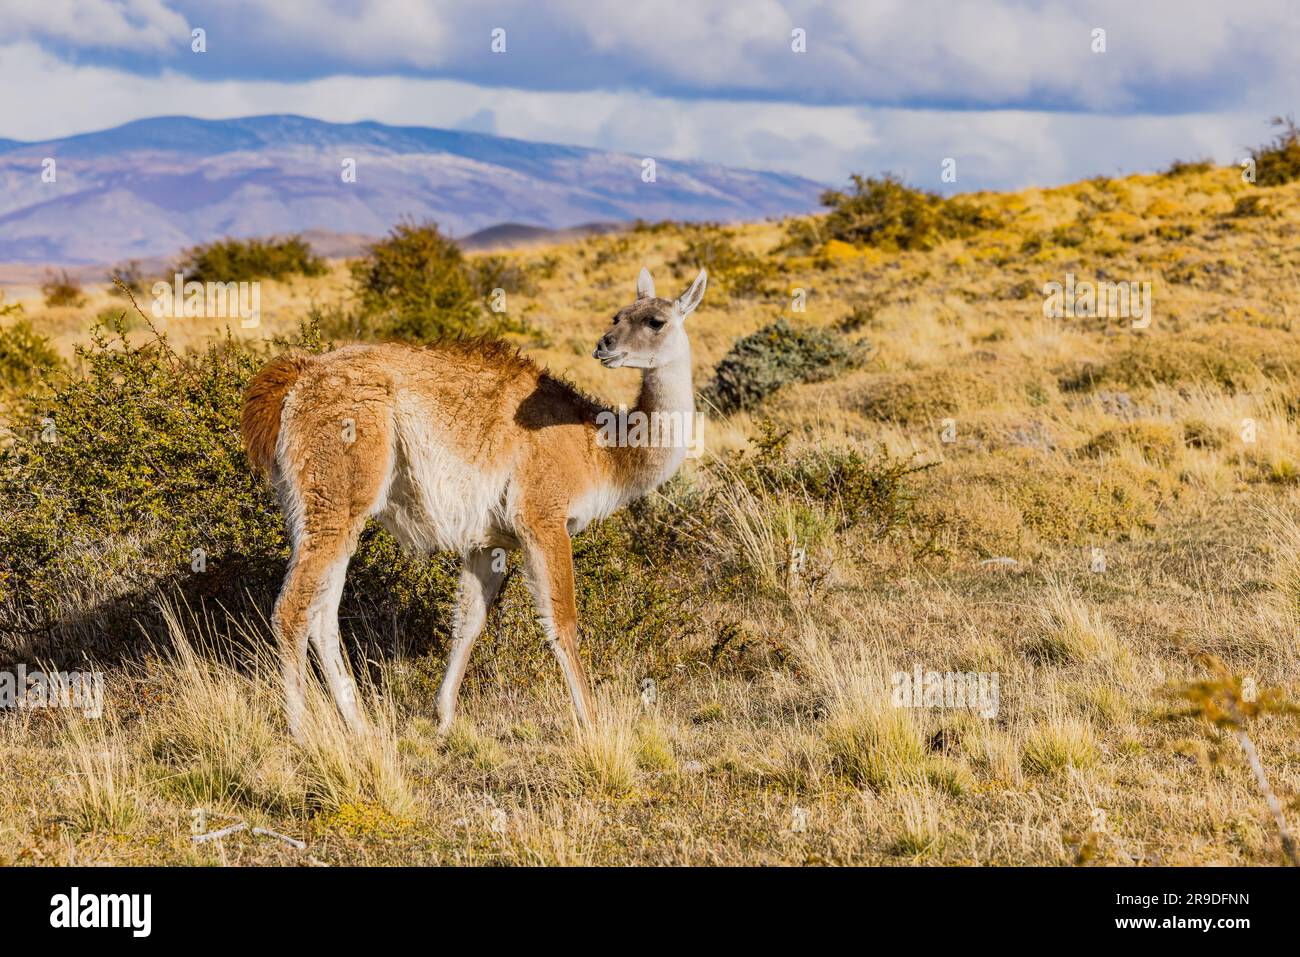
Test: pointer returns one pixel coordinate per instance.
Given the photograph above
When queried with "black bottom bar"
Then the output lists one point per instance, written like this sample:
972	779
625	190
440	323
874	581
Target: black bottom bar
307	905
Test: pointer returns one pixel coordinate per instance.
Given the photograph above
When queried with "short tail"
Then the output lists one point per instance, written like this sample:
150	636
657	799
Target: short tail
263	403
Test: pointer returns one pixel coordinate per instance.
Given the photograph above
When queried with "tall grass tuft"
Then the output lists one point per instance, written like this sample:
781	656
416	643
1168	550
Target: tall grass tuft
219	738
105	787
1073	632
870	741
603	757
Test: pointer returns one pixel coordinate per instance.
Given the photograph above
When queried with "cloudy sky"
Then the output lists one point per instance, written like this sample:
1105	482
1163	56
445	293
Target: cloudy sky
1011	89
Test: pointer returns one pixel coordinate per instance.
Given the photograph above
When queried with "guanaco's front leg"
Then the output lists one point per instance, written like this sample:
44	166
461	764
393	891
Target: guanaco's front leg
479	583
548	568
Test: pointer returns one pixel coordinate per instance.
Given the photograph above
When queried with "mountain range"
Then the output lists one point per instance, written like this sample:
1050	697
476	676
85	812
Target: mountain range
153	187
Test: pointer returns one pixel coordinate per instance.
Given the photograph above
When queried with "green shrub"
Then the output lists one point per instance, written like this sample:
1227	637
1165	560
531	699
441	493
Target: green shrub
1249	206
853	488
139	482
26	357
886	213
633	606
1188	167
510	274
142	465
776	355
130	275
1278	162
62	290
415	285
243	260
740	273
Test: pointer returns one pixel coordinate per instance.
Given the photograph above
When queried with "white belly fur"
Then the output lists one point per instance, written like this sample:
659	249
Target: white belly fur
437	501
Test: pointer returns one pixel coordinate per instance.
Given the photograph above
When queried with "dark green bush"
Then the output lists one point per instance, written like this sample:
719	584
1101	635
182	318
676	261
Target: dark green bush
632	604
856	489
740	273
131	277
142	465
510	274
776	355
62	290
243	260
1278	162
1249	206
886	213
1188	167
139	482
26	357
415	285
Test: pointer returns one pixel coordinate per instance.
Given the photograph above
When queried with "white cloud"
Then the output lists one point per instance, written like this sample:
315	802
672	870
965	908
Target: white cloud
994	148
1162	55
133	24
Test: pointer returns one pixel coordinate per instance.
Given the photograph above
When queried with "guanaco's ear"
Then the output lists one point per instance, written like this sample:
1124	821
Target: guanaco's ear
691	297
645	286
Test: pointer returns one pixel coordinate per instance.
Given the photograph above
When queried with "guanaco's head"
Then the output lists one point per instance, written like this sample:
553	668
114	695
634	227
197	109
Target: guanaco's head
651	332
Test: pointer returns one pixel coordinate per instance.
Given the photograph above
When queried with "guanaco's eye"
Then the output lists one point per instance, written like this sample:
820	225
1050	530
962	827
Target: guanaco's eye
655	324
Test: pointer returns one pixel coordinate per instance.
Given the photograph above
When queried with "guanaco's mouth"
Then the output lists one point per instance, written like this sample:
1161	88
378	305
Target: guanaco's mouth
610	360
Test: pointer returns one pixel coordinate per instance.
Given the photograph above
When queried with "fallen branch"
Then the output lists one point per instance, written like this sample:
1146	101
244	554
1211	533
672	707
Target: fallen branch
216	835
291	841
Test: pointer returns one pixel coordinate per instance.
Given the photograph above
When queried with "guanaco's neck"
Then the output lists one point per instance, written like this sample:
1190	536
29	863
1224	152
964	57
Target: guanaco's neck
667	407
668	388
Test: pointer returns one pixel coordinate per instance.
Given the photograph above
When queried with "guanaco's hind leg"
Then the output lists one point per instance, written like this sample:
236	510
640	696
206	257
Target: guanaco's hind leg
296	619
548	567
290	623
479	583
334	462
325	639
308	609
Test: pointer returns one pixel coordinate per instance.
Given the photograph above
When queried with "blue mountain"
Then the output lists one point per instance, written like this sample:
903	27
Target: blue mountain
152	187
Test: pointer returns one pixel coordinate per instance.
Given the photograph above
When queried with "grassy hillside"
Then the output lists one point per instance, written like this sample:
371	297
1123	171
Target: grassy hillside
1092	512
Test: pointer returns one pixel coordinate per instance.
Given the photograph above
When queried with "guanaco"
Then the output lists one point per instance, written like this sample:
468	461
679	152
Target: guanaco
464	445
